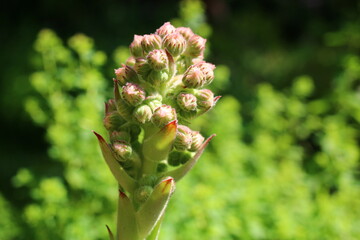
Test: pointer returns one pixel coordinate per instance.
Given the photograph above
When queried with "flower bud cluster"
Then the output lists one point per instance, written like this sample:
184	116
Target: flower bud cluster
163	81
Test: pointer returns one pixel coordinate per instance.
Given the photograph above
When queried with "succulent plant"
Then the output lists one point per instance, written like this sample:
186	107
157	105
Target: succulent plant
151	147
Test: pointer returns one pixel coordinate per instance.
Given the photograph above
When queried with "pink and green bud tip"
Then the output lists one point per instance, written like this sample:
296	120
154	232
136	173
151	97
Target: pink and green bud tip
183	139
143	114
123	150
158	59
163	115
151	42
133	94
165	29
175	43
196	46
187	101
199	75
186	32
135	47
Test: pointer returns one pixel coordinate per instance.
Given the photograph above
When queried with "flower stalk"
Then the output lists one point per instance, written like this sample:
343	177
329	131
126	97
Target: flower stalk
151	147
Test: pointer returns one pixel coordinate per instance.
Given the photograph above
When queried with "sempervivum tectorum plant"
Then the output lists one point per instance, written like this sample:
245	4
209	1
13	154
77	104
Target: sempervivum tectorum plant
156	94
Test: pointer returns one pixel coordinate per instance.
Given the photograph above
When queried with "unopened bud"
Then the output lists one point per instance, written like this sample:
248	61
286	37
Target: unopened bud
197	141
165	29
161	167
187	101
113	121
136	47
157	77
131	61
205	98
124	109
176	158
142	114
123	150
133	94
163	115
185	32
196	46
158	59
117	136
183	138
175	43
142	194
151	42
125	74
199	75
110	106
154	104
149	180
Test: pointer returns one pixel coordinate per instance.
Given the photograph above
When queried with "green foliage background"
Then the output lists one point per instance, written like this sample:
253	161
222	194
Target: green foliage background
284	164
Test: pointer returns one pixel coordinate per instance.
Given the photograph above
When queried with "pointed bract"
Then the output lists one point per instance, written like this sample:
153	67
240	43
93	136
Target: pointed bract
153	209
180	172
120	175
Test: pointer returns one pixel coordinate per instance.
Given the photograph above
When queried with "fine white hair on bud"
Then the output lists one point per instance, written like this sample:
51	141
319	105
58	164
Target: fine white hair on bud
165	29
196	46
113	121
143	113
199	75
126	74
150	42
175	43
133	94
186	32
205	98
197	141
183	138
187	101
158	59
163	115
136	47
123	150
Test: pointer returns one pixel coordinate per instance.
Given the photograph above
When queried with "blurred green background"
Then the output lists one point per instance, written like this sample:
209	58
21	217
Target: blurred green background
284	164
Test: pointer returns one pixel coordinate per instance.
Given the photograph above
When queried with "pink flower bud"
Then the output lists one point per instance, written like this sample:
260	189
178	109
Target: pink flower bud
110	106
163	115
143	114
113	121
205	98
199	75
183	138
151	42
197	141
158	59
133	94
165	29
136	47
123	150
126	74
175	43
185	32
196	46
187	101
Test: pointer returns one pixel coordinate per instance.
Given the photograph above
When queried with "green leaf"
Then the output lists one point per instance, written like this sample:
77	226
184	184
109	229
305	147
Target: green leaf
120	175
126	221
157	146
180	172
153	209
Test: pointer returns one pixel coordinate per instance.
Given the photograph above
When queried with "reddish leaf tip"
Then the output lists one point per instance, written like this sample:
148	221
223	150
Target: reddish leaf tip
167	181
122	194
